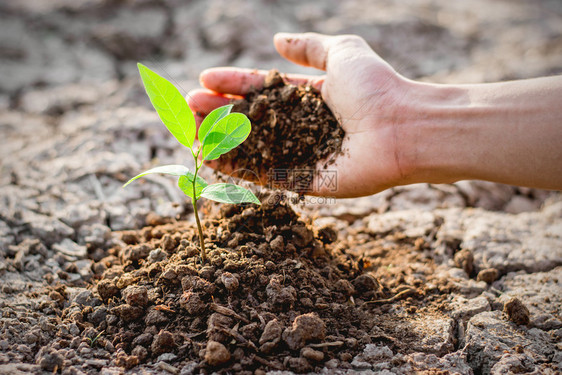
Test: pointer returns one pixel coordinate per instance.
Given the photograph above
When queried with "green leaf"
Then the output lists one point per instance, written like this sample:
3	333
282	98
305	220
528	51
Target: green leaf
185	183
170	105
225	135
174	170
211	119
229	193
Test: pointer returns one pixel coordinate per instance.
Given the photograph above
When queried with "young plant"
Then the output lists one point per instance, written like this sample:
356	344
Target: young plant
220	132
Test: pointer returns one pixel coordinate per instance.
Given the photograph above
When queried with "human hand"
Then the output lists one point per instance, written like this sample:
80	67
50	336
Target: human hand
360	88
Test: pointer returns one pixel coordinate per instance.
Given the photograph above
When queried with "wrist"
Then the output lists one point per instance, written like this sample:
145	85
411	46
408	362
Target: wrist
432	137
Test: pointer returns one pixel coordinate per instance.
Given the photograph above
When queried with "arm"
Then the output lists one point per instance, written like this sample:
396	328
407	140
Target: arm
509	132
400	131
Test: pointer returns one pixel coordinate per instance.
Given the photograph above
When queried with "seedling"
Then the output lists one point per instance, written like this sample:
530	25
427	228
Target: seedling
220	132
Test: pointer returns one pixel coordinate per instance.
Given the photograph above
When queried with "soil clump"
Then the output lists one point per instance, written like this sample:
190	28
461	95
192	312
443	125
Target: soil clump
292	130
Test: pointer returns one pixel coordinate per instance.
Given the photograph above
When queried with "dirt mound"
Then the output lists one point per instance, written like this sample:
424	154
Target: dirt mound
292	130
274	294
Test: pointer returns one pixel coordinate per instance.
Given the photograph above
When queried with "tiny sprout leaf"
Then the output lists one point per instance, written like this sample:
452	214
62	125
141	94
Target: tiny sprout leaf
229	193
170	105
226	134
185	183
211	119
173	169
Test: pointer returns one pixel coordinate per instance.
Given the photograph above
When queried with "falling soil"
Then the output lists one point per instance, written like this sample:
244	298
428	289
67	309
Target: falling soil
275	293
292	130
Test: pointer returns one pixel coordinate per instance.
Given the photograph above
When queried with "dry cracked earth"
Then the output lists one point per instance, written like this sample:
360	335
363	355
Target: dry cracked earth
75	124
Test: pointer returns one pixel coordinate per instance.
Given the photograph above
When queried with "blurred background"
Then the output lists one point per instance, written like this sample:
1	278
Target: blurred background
53	42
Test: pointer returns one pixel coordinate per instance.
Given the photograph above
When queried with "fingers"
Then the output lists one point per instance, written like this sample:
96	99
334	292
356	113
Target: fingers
308	49
237	81
202	101
321	51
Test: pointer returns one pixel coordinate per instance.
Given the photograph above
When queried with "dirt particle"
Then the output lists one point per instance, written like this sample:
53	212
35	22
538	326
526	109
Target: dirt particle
277	244
280	297
216	353
127	312
305	328
134	253
299	365
230	281
192	303
155	317
136	296
271	336
517	312
130	237
163	342
465	260
50	360
311	354
366	285
489	275
273	79
122	359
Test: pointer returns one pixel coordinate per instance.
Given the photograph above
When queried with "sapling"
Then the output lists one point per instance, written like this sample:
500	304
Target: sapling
220	132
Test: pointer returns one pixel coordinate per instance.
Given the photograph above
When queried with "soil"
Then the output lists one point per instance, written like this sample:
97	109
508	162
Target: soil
292	131
275	294
461	278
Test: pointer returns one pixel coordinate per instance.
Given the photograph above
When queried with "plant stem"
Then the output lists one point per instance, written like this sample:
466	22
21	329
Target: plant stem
194	202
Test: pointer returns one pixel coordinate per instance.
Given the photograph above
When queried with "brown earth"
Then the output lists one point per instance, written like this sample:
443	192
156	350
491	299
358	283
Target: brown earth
276	293
292	131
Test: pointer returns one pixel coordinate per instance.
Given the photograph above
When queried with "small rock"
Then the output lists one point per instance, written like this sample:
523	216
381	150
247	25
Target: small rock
277	244
83	297
517	312
107	289
488	275
465	260
134	253
216	353
229	281
70	249
273	79
127	312
299	365
313	355
167	357
163	342
279	296
192	303
155	317
157	255
50	361
305	328
136	296
366	285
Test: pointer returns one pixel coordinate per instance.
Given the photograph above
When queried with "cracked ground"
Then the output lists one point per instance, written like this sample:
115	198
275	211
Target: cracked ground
75	124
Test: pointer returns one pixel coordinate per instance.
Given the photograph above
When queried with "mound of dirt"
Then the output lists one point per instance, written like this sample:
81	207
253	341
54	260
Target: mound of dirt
274	294
292	130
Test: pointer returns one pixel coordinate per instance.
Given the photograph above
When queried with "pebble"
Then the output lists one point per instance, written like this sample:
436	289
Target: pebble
517	312
216	353
313	355
136	295
305	328
488	275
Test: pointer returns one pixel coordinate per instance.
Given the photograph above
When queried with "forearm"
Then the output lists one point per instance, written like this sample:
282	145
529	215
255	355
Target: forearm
507	132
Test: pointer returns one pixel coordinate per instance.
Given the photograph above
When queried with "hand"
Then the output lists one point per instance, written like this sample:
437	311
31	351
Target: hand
399	131
359	87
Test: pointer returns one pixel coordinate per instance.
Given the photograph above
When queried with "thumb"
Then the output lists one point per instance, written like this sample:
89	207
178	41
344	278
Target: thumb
317	50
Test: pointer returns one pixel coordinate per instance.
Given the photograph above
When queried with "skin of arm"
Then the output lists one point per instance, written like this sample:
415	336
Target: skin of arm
400	131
